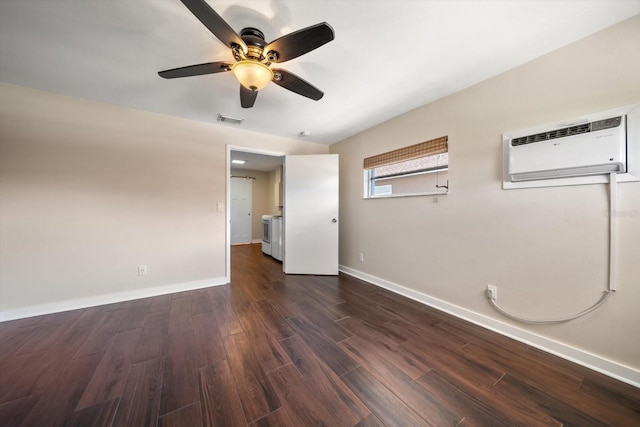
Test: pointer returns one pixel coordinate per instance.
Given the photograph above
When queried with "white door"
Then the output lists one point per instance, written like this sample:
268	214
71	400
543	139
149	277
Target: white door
311	214
241	190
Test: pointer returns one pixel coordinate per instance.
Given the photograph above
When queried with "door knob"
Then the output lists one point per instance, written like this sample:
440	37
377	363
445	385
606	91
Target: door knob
334	220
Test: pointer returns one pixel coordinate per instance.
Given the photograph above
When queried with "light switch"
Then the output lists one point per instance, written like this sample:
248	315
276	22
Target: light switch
220	207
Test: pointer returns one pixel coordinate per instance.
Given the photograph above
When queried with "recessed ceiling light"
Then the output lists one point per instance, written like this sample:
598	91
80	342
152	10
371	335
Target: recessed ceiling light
238	162
304	134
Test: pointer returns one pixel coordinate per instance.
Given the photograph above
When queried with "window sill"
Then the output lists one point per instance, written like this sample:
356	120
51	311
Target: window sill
395	196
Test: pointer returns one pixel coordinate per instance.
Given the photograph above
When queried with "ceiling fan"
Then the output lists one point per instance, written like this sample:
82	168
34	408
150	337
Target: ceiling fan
254	55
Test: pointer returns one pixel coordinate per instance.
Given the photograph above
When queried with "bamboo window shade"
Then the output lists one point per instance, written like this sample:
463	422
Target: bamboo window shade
423	149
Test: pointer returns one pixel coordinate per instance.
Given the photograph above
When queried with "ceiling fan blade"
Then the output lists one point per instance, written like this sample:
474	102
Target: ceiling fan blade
214	23
196	70
295	84
247	97
300	42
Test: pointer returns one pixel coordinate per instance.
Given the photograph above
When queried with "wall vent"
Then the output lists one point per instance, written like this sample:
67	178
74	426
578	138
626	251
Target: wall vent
230	120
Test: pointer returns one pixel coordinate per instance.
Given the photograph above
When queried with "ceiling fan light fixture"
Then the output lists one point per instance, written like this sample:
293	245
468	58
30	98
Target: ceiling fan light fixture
251	74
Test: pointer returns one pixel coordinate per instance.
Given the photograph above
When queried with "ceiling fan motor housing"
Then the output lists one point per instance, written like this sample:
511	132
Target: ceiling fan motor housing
253	36
254	39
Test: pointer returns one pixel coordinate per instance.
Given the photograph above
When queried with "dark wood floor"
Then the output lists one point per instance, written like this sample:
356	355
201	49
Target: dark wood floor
276	350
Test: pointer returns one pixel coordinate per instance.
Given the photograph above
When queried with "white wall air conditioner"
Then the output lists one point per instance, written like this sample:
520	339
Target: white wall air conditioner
556	154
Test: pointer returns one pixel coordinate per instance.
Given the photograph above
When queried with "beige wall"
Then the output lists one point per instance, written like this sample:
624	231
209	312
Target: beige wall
546	249
89	191
275	191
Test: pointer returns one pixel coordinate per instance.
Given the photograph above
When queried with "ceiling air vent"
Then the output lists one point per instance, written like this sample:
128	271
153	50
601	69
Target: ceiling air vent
567	131
229	120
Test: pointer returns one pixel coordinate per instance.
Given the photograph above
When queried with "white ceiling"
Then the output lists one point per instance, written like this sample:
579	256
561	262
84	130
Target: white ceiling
388	56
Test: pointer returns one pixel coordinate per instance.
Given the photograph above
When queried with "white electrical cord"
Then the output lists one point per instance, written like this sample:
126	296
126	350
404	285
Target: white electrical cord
613	232
601	301
612	267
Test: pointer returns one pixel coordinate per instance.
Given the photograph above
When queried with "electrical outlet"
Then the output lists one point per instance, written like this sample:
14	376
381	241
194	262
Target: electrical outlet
361	257
142	270
492	292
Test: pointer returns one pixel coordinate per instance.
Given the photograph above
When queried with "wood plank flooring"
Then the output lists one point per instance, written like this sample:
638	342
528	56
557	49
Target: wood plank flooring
276	350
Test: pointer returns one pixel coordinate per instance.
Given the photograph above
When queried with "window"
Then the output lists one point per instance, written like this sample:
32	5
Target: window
419	169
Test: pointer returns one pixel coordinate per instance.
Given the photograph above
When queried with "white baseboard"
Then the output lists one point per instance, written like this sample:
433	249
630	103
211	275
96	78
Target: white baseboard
254	241
597	363
77	303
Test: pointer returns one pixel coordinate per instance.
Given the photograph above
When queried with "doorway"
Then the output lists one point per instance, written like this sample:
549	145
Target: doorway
263	169
306	186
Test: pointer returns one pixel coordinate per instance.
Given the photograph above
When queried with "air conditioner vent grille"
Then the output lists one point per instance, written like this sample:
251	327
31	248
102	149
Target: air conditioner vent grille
567	131
230	120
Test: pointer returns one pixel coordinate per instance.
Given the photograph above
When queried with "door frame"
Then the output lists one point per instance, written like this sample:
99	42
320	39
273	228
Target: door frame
243	149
